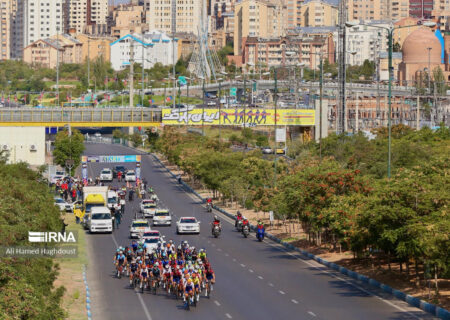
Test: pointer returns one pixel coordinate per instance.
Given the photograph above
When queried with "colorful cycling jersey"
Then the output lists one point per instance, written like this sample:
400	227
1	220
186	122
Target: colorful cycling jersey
133	267
134	246
209	273
144	272
156	272
196	280
121	258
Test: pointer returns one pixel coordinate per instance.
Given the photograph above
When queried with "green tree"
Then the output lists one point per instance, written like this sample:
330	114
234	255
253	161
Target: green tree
136	139
68	147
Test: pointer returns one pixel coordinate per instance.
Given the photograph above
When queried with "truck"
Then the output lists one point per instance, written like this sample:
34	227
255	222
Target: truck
93	196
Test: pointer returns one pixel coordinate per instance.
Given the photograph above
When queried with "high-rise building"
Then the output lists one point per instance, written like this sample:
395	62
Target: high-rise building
7	20
420	8
318	13
378	9
79	14
36	19
158	15
127	19
293	8
257	18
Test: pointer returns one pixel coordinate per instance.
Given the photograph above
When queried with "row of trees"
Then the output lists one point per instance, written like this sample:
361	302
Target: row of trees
342	200
26	284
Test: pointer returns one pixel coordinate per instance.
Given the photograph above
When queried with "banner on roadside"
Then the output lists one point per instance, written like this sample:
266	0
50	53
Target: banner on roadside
238	116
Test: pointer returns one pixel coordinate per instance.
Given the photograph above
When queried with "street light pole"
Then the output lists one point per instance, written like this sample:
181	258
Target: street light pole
320	106
275	121
429	70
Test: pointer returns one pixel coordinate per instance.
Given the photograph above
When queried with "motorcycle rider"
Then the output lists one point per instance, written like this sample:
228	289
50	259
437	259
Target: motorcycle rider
216	222
238	218
209	203
260	225
245	224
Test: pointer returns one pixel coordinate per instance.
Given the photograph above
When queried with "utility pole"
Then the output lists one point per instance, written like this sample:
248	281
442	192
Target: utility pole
174	29
275	135
356	112
131	129
143	64
89	61
340	107
57	63
320	106
418	113
429	70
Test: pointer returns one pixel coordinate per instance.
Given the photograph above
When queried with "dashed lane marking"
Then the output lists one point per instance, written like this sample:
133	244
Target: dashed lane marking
234	259
260	277
250	270
227	255
312	313
217	303
228	315
218	249
281	292
294	301
271	284
242	265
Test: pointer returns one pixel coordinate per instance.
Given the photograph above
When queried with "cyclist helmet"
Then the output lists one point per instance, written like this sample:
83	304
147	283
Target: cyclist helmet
200	263
170	241
156	264
166	266
215	218
120	252
189	281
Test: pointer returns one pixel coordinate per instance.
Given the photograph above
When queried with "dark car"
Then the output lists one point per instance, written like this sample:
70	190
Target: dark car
117	169
149	93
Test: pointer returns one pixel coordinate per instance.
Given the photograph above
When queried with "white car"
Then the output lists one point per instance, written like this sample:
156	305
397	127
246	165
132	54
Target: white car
106	175
151	243
148	208
59	175
130	176
149	234
188	225
162	218
63	205
138	227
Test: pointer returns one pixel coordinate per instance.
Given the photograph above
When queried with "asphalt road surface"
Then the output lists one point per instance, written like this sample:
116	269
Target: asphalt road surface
253	280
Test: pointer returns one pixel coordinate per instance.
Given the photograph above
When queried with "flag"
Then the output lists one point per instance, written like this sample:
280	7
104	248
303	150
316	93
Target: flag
153	101
8	99
82	98
96	101
15	98
125	82
3	98
106	80
169	98
41	96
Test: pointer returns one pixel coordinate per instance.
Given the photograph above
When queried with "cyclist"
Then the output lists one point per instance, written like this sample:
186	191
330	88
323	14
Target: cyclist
188	289
196	282
176	277
120	261
167	275
144	274
210	277
156	273
119	176
202	254
134	245
134	266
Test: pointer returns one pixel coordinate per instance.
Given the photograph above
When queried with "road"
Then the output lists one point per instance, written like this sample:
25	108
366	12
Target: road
254	280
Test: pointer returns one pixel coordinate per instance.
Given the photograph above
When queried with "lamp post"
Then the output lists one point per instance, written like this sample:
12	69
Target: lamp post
390	44
203	105
429	70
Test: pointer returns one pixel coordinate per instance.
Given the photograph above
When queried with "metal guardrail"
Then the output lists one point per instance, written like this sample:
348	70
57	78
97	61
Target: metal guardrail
80	117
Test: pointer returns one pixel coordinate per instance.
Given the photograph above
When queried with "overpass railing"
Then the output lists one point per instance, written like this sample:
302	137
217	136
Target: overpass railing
79	116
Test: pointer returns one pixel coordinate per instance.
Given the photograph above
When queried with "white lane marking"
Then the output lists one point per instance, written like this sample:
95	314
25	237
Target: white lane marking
271	284
282	292
218	249
228	315
250	270
344	280
227	255
234	259
217	303
242	265
213	245
260	277
312	313
294	301
144	307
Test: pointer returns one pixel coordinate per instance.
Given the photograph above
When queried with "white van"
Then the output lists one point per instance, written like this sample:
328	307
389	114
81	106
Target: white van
100	220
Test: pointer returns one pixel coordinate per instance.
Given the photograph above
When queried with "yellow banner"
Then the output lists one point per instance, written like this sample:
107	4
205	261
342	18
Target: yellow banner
238	116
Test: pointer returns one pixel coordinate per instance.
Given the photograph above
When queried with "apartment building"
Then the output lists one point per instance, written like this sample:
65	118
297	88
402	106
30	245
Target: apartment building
378	9
421	9
158	15
288	50
257	18
95	46
365	43
36	19
49	52
293	8
127	19
152	47
7	19
317	13
79	14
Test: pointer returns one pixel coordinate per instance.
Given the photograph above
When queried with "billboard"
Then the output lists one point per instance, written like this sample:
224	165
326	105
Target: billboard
238	116
111	159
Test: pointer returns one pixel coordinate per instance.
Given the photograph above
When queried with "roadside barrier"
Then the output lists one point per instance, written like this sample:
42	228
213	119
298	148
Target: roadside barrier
413	301
88	295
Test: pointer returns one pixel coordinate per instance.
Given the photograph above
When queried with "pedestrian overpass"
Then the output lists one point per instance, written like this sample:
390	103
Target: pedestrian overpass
151	117
80	117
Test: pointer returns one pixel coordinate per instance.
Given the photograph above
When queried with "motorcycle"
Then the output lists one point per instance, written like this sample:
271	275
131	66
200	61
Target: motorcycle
260	235
239	225
216	231
208	207
245	231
